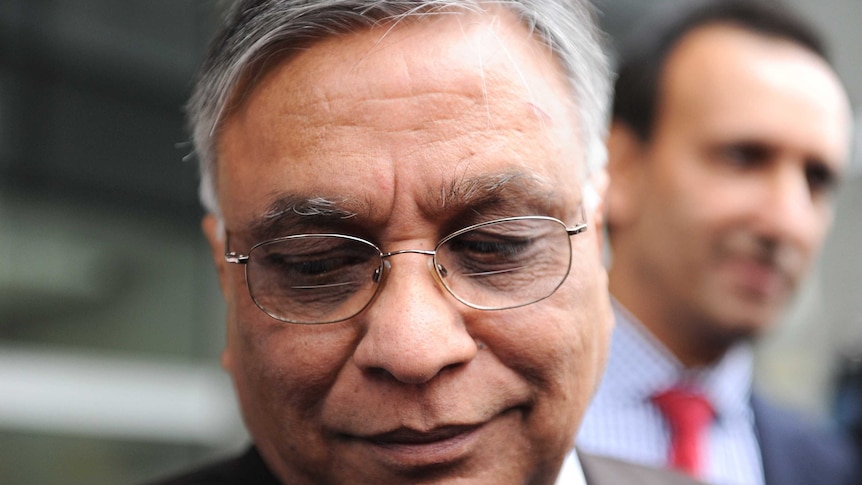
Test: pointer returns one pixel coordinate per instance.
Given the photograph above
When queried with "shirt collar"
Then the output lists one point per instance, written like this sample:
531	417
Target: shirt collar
727	383
571	472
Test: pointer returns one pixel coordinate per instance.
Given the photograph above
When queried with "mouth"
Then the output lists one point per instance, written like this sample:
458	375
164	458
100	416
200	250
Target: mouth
410	448
407	436
763	271
762	281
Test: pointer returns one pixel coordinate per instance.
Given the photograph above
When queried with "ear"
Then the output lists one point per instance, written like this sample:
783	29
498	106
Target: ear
214	232
212	229
596	211
626	160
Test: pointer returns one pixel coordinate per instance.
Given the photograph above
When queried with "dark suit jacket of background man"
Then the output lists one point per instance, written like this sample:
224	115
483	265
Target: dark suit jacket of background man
795	452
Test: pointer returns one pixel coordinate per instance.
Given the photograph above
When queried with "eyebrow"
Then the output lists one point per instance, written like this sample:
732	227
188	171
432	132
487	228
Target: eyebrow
294	213
497	195
461	202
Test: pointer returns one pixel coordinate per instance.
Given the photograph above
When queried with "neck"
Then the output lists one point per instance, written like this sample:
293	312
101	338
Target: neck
693	344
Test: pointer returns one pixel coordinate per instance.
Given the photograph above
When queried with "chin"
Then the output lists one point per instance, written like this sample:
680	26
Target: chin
723	335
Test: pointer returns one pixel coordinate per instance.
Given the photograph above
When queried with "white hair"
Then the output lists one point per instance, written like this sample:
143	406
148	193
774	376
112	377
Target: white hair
255	29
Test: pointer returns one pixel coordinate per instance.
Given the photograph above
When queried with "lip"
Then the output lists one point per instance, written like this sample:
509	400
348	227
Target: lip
409	448
760	280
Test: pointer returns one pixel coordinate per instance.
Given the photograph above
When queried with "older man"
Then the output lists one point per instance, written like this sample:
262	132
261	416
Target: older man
730	134
401	216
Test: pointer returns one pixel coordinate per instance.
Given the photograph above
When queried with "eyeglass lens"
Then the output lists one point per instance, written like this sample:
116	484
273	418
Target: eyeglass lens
326	278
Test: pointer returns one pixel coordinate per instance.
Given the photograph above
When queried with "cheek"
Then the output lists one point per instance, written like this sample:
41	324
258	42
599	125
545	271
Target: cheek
592	322
285	369
560	344
816	236
586	293
688	218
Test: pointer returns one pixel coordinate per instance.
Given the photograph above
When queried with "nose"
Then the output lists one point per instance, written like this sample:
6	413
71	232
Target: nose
414	328
788	212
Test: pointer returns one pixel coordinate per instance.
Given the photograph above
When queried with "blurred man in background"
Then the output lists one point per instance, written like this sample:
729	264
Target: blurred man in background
730	132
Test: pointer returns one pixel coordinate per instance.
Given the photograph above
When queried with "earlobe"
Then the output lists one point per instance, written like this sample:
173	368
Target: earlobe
625	153
227	360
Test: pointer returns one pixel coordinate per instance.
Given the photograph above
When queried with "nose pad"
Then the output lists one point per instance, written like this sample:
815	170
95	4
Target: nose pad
438	271
441	271
377	277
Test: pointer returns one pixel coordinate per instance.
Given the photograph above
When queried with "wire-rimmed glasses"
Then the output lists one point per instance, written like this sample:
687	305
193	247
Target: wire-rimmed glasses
327	278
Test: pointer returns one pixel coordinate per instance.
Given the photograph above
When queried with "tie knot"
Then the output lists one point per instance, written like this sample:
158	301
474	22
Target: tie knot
685	409
689	414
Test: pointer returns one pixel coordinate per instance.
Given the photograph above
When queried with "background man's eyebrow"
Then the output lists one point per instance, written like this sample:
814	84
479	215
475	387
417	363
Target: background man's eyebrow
291	212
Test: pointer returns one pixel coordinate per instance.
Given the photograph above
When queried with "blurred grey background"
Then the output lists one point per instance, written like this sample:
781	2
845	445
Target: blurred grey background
110	317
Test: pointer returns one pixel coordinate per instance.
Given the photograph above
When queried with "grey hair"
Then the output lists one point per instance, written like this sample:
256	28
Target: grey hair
257	29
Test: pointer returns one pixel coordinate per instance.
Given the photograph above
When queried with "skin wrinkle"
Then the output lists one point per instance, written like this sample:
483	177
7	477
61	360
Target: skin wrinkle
435	118
517	68
483	77
495	24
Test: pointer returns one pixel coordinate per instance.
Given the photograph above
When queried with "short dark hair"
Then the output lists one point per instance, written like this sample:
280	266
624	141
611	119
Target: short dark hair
642	59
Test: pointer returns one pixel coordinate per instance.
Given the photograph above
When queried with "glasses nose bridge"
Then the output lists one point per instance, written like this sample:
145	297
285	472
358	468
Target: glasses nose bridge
426	252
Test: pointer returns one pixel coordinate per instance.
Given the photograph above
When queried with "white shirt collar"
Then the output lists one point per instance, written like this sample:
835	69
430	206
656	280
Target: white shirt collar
571	472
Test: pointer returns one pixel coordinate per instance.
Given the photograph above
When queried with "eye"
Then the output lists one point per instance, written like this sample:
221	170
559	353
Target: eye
303	265
821	179
745	154
309	261
502	248
489	248
306	276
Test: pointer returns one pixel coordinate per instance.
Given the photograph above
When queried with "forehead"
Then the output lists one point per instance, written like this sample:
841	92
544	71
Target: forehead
414	106
739	82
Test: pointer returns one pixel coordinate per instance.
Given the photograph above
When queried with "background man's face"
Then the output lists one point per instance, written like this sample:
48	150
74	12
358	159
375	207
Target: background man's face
406	130
733	198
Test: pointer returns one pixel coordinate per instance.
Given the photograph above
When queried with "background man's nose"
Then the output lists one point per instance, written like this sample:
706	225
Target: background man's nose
788	210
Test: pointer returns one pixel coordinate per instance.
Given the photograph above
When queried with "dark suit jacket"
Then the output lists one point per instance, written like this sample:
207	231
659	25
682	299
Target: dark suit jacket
249	469
796	451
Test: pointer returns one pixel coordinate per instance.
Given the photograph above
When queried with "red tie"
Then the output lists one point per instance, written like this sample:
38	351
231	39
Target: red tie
689	415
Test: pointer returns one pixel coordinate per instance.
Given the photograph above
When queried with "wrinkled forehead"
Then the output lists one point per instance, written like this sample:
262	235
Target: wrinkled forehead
492	39
453	84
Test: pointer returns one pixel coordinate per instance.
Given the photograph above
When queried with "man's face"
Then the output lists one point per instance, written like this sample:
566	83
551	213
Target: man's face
721	212
429	128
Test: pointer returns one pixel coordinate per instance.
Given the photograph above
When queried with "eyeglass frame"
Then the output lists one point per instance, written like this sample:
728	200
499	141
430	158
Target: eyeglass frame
233	257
